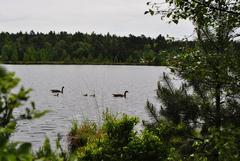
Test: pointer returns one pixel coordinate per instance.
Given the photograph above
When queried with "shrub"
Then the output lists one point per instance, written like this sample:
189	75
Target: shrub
120	142
80	135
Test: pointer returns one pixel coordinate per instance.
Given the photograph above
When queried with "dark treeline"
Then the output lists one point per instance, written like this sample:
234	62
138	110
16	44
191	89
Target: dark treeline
82	48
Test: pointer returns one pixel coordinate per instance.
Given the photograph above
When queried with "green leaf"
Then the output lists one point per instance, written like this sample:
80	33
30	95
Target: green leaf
11	157
146	12
151	12
24	148
175	21
38	114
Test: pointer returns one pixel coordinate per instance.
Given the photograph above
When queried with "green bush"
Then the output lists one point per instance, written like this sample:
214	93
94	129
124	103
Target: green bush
120	142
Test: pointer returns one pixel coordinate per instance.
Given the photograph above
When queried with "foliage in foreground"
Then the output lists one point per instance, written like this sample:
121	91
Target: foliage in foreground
9	102
207	105
117	140
185	122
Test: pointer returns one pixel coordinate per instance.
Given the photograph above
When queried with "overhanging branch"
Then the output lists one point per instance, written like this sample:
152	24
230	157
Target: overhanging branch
216	8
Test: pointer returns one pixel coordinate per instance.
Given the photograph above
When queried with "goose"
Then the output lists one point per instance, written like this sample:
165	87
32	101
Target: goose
85	94
120	95
92	95
56	90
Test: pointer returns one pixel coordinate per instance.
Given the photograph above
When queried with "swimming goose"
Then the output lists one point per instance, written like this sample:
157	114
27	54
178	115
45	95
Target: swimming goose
92	95
56	90
120	95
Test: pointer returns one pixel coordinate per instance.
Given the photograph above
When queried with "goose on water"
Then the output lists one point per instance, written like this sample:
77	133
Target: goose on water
92	95
56	90
120	95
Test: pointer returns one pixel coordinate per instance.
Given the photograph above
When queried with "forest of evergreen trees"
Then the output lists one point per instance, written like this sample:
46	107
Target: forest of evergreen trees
83	48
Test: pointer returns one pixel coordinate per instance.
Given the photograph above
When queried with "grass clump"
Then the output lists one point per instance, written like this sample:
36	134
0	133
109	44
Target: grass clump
80	135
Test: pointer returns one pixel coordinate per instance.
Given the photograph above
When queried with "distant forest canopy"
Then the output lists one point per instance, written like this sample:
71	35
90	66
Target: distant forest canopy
83	48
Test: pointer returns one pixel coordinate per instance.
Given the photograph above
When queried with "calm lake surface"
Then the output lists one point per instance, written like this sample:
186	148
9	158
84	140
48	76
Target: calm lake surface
101	80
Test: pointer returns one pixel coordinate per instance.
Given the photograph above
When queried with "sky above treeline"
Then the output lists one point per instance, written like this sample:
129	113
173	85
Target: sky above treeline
120	17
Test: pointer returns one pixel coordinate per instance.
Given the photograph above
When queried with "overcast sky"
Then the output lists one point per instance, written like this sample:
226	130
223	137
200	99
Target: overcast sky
120	17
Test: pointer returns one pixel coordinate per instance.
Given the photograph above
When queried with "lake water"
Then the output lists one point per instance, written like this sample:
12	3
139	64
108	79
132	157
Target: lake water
101	80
